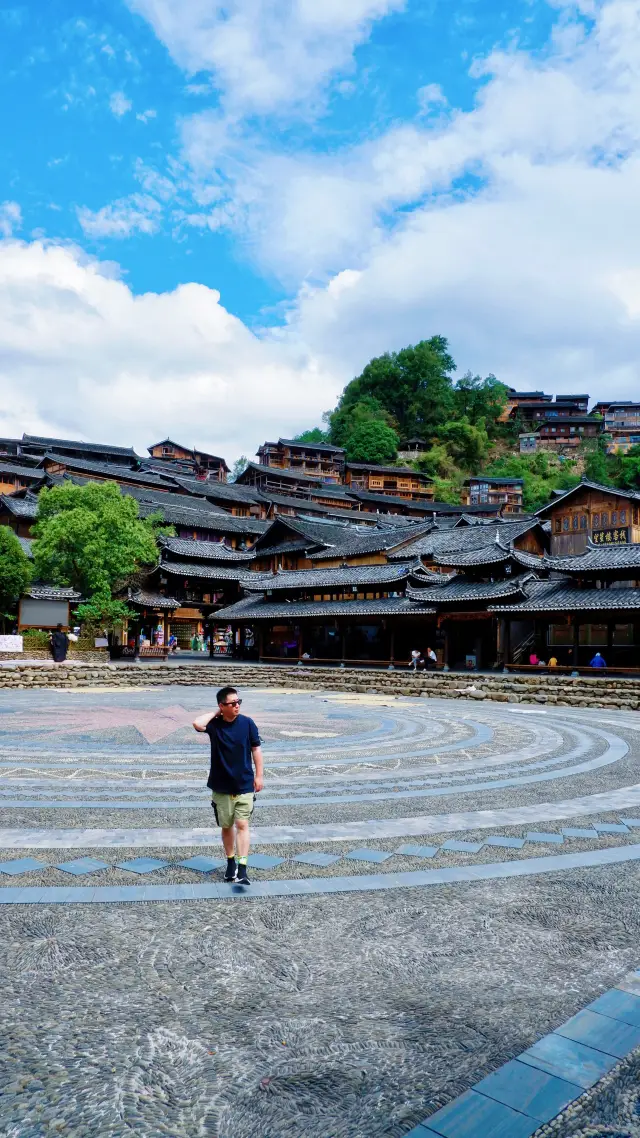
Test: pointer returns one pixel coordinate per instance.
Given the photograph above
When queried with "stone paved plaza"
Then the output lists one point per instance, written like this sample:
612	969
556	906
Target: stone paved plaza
435	886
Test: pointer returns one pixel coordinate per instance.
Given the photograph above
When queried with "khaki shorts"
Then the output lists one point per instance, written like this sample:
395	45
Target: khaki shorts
228	808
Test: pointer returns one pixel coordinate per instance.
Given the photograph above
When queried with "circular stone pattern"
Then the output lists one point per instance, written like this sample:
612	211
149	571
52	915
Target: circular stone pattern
435	885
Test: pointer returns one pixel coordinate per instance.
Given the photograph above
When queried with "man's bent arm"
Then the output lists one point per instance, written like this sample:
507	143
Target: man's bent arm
256	755
201	722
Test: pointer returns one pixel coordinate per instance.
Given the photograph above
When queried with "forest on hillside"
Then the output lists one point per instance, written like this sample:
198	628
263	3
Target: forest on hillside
413	393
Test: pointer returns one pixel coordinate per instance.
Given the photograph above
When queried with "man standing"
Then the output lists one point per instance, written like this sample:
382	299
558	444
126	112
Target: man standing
59	645
235	749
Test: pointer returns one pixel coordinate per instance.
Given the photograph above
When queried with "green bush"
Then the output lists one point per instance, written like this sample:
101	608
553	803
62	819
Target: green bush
35	638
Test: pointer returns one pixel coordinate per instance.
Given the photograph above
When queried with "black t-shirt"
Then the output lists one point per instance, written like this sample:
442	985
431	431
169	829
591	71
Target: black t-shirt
231	744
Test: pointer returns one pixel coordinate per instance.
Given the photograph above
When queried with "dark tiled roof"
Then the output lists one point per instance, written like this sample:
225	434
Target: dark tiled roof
326	578
378	542
193	451
111	470
26	472
493	554
464	538
424	507
491	481
213	488
203	572
52	593
597	559
631	495
202	519
71	444
311	532
144	598
26	507
462	590
388	469
311	446
205	550
561	597
260	609
292	475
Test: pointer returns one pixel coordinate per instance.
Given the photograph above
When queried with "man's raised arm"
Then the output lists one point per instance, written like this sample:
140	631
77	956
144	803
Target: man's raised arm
201	722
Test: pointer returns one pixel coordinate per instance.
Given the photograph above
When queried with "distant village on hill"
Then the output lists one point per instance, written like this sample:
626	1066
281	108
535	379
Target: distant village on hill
307	555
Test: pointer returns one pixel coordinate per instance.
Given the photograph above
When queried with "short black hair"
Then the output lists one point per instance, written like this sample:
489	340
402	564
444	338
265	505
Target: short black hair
221	696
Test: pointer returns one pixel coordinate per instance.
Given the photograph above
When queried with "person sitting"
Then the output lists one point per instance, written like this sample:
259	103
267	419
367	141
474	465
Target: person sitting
553	662
431	660
598	661
533	660
416	659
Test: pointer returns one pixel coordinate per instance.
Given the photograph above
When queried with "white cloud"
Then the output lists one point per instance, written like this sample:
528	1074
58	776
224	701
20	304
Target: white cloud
267	54
145	116
138	213
10	218
82	357
119	104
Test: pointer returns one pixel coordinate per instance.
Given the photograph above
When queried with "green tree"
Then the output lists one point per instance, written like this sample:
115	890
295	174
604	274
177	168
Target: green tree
629	465
15	573
437	462
373	442
598	466
478	399
467	443
413	386
239	467
346	419
315	435
90	537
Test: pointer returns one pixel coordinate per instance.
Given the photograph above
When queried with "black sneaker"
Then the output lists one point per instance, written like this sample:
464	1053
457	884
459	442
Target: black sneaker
230	871
242	877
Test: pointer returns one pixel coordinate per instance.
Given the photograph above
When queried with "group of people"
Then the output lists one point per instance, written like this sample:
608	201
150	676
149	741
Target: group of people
426	660
598	661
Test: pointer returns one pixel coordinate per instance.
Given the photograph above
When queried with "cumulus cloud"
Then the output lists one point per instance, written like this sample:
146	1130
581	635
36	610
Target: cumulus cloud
83	357
119	104
10	218
138	213
268	54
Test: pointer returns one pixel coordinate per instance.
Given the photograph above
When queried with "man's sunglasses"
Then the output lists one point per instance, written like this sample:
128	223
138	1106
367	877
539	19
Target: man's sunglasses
233	703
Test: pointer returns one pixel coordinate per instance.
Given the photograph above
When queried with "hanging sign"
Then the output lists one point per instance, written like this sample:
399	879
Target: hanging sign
617	536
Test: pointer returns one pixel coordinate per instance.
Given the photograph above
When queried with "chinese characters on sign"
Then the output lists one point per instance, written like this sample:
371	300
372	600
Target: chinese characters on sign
618	536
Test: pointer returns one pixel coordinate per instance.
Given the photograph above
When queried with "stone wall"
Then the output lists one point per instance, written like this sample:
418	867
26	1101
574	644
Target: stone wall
561	691
87	656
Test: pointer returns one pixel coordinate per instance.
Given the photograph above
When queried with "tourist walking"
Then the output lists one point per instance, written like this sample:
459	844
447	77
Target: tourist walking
235	750
59	645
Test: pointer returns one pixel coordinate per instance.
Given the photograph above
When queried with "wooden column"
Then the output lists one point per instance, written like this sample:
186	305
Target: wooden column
165	623
576	640
610	626
392	644
260	642
506	642
343	642
445	654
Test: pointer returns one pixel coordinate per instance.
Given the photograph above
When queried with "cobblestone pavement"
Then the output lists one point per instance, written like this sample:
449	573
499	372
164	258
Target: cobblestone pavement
348	1010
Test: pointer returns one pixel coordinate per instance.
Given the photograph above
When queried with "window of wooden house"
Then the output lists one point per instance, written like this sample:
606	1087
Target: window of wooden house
565	525
605	519
558	525
614	517
560	634
593	634
583	521
596	521
575	521
623	517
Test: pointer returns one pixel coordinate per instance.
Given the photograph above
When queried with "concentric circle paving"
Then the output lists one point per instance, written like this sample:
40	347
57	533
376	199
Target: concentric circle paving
435	885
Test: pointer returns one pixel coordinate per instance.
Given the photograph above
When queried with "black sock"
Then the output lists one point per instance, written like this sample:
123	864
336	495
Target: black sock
231	861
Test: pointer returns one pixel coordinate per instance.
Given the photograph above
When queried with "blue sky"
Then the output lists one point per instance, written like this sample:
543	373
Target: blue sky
215	211
100	95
